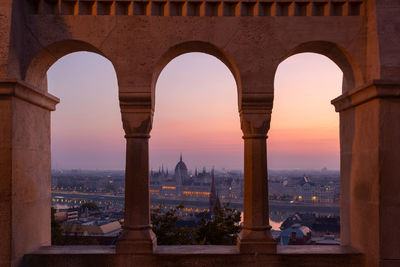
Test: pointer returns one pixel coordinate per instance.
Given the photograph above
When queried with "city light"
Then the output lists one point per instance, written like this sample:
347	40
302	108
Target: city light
168	187
196	193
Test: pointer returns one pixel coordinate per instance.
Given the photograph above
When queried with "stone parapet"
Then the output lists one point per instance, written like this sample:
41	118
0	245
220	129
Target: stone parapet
311	256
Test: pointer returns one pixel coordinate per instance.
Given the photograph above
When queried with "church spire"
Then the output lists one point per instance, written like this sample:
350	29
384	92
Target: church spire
180	157
213	193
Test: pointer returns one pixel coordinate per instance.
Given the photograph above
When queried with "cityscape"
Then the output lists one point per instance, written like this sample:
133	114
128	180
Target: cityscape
303	204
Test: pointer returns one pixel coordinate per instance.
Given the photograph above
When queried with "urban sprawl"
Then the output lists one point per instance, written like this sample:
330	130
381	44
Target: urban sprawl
303	205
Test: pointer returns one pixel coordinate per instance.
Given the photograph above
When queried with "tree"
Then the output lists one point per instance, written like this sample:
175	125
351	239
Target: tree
164	226
222	229
57	237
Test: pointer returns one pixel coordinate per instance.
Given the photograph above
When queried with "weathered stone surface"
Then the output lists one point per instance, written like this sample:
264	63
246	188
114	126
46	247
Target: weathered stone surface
137	236
309	256
25	170
369	162
252	39
255	236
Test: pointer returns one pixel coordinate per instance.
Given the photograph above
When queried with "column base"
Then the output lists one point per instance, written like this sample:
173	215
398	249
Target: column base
131	241
260	241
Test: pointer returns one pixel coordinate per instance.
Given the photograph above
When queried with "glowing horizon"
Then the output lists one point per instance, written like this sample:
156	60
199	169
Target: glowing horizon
196	113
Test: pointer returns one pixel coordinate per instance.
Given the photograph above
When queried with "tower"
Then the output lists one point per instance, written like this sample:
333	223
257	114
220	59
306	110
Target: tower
214	199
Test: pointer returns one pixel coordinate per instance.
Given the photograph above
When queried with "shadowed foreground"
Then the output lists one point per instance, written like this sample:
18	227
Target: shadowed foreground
194	256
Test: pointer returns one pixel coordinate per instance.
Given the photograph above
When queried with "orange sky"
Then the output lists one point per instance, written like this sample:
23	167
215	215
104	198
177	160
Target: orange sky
196	114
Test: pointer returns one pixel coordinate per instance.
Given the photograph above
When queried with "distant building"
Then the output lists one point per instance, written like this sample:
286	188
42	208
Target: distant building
92	229
320	226
184	185
214	199
327	239
72	216
315	193
181	173
296	235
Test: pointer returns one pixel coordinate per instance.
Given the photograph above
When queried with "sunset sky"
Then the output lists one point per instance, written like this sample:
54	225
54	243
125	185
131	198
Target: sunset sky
196	113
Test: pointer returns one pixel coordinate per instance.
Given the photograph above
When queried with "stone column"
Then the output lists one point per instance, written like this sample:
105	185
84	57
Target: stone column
137	236
370	170
255	236
25	170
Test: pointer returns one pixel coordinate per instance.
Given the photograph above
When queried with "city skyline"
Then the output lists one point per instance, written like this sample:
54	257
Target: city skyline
186	120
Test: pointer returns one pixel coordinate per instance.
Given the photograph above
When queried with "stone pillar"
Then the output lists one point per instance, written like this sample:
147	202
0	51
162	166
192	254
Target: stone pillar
370	170
25	170
137	236
255	236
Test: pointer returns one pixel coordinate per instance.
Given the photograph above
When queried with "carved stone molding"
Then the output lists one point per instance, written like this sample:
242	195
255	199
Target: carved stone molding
137	124
257	102
365	93
255	124
137	114
21	90
135	102
198	8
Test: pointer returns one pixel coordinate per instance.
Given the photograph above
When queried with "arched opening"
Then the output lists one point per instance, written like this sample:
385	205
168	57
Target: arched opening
35	72
304	151
87	148
352	74
196	150
199	47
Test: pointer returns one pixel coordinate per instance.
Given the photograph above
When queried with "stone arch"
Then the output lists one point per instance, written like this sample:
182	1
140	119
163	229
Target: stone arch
352	74
195	46
353	77
35	72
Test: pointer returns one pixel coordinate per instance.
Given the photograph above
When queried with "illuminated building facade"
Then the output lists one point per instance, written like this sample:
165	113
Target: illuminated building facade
185	186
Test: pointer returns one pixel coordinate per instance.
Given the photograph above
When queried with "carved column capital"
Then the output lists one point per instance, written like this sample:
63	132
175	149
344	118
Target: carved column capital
255	124
137	124
137	114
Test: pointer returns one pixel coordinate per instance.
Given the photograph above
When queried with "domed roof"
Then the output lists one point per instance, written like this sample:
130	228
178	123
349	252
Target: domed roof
181	166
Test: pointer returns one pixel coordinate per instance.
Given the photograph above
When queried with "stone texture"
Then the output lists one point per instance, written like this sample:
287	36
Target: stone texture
368	166
196	256
252	39
255	236
25	178
137	236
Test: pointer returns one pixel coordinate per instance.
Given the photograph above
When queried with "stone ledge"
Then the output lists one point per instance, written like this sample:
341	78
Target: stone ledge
21	90
194	256
365	93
